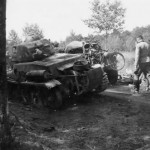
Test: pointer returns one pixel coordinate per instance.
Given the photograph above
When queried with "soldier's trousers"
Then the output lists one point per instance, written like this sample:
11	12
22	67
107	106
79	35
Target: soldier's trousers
143	68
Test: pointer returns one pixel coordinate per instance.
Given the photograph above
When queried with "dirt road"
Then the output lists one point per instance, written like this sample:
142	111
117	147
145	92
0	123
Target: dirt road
93	122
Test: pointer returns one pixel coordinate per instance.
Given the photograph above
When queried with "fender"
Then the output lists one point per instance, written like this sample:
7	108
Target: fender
49	84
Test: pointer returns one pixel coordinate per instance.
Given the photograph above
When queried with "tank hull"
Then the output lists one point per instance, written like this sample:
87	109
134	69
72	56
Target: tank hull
54	79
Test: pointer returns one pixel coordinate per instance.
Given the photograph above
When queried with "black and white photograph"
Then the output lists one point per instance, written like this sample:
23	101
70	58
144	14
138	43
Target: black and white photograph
74	74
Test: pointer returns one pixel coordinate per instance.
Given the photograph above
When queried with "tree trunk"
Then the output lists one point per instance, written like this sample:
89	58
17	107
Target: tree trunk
5	126
106	36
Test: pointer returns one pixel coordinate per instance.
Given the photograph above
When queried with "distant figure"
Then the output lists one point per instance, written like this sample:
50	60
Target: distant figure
38	54
142	62
96	46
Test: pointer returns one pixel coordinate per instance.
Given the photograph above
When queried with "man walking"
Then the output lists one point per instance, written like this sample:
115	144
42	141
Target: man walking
142	62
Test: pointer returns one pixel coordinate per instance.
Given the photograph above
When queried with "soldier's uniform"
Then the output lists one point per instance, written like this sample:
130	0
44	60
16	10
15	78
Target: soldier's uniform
142	63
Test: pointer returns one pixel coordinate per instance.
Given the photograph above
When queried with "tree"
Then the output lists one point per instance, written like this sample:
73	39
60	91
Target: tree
5	133
32	32
130	43
13	38
115	42
106	17
138	31
144	31
125	36
90	38
73	37
55	44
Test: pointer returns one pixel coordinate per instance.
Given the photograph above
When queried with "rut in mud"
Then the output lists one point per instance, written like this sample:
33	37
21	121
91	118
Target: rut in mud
94	122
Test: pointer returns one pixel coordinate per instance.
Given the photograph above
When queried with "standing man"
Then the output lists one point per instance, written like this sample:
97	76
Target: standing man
142	62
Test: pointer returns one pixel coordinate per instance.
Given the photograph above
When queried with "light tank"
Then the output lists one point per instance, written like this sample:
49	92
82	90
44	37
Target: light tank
45	78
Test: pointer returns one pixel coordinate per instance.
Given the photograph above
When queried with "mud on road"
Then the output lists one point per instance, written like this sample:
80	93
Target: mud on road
93	122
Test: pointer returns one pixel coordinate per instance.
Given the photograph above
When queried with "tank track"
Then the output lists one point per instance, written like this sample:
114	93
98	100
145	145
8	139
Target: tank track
49	97
104	84
112	76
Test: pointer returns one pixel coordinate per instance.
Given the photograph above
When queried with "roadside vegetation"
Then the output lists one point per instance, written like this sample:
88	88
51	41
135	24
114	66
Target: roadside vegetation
117	41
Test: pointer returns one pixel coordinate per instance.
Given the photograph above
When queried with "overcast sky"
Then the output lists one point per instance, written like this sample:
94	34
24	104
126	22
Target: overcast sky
58	17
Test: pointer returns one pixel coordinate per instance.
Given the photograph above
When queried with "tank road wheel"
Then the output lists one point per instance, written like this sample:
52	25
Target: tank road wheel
54	99
104	84
32	96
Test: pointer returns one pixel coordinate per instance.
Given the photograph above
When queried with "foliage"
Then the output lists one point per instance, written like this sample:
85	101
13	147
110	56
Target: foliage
55	44
106	16
32	32
73	37
13	38
117	41
62	44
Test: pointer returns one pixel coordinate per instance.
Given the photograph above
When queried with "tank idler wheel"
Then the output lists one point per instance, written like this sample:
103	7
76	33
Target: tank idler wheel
54	99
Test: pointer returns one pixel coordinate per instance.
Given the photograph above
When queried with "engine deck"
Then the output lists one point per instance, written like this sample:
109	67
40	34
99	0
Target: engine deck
53	63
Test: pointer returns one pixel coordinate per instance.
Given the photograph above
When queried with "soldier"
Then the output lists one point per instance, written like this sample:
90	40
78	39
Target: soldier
97	47
142	62
38	54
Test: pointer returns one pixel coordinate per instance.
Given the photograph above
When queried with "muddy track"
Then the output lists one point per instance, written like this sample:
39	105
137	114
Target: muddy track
94	122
